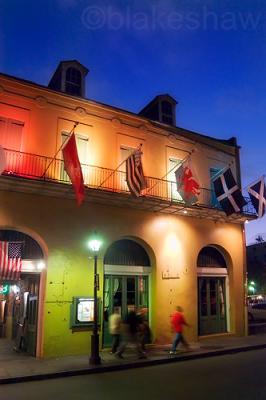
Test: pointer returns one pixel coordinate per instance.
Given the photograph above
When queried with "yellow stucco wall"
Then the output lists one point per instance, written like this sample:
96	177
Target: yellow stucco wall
174	240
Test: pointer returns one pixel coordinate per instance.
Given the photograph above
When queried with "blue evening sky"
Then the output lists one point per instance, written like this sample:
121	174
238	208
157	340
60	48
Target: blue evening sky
210	55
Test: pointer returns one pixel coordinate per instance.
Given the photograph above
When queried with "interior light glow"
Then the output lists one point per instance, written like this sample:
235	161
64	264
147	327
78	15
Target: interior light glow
40	265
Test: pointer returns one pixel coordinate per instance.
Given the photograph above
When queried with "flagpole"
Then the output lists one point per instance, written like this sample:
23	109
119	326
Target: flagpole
168	172
112	173
60	148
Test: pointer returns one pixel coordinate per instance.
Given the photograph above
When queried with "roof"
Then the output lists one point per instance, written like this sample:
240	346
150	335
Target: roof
195	136
86	70
159	97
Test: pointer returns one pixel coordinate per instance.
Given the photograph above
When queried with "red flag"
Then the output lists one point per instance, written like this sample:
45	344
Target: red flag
191	186
187	185
73	168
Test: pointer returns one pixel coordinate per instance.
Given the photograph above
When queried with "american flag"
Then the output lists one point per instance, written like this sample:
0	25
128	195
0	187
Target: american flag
134	173
10	260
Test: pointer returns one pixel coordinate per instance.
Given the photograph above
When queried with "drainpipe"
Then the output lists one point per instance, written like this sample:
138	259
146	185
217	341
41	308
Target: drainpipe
245	285
238	179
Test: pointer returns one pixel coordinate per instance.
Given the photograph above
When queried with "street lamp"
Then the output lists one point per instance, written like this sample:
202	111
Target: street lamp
95	359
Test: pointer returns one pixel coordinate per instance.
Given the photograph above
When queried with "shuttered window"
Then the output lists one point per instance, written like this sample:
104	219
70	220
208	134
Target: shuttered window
82	147
172	167
124	154
214	173
11	133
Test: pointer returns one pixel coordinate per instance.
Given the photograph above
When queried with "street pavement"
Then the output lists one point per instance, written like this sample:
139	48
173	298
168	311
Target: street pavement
16	367
239	376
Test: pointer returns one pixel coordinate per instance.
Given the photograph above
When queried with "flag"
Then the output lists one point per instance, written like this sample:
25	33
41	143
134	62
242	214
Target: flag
257	194
73	168
134	173
228	193
10	260
187	184
2	160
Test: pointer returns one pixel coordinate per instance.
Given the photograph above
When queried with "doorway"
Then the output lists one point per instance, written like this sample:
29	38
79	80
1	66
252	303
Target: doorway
127	269
125	293
19	314
19	296
211	305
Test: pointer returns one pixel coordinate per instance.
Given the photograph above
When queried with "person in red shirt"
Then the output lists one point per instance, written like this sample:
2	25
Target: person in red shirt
177	323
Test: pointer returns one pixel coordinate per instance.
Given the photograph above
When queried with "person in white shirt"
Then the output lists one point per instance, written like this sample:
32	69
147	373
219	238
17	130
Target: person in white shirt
115	329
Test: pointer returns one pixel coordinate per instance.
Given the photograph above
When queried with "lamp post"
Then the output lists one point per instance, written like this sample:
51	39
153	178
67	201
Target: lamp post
95	359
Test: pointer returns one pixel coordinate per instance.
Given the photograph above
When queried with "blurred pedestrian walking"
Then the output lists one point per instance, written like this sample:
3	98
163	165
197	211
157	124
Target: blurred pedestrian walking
144	331
130	335
115	329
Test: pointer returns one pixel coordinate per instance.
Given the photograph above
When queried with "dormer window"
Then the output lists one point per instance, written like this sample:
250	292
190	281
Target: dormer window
167	112
162	108
69	78
73	81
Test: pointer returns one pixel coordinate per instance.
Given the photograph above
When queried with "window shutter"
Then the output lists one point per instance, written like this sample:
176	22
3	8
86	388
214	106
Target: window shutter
173	162
214	172
3	131
11	133
14	134
124	154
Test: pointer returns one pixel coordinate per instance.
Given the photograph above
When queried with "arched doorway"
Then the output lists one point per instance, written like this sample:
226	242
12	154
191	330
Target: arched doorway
212	284
127	269
21	262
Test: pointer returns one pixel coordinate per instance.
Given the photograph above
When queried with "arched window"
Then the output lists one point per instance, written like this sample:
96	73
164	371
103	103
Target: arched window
73	81
209	257
126	252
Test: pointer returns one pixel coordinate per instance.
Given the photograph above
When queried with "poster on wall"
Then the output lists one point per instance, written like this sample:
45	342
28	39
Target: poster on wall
82	312
85	310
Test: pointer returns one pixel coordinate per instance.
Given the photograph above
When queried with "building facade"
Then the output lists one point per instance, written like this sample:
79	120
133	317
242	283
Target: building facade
157	252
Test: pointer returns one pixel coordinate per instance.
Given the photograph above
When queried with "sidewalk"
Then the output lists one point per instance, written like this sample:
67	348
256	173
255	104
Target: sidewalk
16	367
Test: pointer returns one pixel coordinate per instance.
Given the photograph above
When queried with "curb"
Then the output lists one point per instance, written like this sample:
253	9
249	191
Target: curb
131	365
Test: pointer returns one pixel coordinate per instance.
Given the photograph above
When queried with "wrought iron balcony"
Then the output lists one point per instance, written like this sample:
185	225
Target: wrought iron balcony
41	168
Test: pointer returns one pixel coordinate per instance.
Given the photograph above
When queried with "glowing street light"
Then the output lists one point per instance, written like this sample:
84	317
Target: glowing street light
95	358
252	287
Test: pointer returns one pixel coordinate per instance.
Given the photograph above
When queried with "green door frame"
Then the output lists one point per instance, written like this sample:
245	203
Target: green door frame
211	305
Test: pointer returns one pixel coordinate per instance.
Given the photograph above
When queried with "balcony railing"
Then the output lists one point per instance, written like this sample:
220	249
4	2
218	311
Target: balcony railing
43	168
